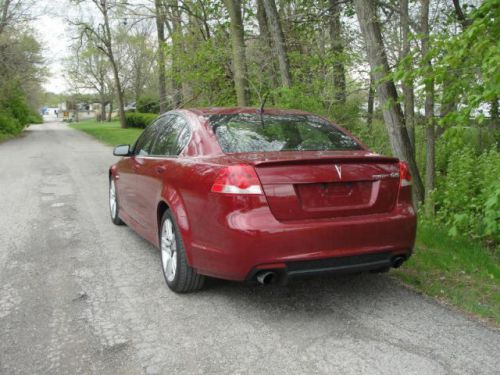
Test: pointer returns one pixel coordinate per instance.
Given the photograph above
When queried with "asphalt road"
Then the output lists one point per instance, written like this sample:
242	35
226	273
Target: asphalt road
80	295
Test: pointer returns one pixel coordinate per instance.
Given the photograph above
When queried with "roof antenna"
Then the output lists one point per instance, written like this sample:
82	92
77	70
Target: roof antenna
261	109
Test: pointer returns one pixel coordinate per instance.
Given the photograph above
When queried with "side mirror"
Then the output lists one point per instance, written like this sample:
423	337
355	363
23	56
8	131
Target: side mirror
122	150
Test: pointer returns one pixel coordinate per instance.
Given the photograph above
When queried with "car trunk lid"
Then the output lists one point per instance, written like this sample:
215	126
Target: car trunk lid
317	185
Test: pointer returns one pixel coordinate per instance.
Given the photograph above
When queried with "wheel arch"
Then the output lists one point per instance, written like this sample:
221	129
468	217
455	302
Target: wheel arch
172	201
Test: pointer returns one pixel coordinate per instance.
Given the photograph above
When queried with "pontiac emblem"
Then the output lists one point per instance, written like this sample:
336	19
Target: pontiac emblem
339	170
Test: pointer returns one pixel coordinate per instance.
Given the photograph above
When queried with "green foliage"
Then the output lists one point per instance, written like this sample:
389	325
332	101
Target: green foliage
204	68
467	195
296	98
35	118
15	113
139	120
148	104
9	125
467	65
375	138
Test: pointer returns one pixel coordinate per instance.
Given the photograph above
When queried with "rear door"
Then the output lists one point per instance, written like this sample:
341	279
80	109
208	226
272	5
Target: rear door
142	151
173	134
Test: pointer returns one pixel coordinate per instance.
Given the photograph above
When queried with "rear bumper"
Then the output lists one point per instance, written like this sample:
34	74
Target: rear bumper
233	244
337	265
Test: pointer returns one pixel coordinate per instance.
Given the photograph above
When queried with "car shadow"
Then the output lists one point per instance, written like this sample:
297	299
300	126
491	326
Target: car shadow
316	295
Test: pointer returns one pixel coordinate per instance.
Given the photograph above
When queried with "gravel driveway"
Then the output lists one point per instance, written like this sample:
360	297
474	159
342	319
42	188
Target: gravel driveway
80	295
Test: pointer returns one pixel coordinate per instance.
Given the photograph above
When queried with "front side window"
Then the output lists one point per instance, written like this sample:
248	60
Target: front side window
248	132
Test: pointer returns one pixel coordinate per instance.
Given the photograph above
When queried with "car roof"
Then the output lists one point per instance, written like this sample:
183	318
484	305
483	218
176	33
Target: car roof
209	111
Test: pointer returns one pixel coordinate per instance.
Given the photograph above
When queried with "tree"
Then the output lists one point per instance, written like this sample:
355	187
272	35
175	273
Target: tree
386	90
338	51
238	46
429	109
278	40
407	84
162	77
101	36
89	69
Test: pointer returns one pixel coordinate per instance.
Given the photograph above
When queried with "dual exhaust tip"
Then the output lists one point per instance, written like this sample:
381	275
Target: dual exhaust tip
398	261
270	277
266	277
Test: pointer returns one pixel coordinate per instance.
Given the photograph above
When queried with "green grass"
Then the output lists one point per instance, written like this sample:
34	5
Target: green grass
108	132
456	271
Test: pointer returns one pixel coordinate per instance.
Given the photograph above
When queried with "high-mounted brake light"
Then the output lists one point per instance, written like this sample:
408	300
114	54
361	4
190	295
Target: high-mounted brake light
237	179
404	174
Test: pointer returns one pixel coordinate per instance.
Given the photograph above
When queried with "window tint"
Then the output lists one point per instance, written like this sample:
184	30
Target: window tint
145	142
252	133
173	136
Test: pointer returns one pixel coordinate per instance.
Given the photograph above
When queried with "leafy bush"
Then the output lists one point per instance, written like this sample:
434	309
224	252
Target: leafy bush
35	118
148	104
139	120
468	196
15	113
295	98
9	125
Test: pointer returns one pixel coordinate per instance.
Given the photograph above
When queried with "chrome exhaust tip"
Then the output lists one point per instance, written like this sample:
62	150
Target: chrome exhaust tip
398	261
266	277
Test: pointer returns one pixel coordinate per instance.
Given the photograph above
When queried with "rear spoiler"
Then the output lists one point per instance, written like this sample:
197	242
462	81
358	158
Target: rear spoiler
332	159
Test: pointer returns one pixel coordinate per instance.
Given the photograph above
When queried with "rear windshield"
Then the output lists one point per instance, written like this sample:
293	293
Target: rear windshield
247	132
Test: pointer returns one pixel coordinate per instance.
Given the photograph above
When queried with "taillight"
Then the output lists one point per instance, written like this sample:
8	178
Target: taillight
404	174
237	179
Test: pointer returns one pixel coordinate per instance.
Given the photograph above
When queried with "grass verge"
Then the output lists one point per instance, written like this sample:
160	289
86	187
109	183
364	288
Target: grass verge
455	271
108	132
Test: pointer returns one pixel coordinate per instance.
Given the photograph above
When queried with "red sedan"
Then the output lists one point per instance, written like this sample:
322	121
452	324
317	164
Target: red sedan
241	194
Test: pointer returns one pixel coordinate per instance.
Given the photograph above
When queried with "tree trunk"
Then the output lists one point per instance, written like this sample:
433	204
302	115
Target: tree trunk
238	45
429	112
408	93
464	21
121	101
265	40
371	100
176	36
114	66
494	114
338	52
5	14
162	79
386	90
102	116
110	112
448	105
278	41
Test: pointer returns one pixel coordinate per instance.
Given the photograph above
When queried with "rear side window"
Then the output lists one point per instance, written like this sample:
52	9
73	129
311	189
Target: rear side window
144	144
173	136
253	133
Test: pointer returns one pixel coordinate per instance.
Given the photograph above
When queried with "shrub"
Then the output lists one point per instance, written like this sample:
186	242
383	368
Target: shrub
9	125
139	120
35	118
468	195
148	104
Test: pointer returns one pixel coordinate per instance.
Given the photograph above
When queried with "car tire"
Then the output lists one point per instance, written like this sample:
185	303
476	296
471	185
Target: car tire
114	207
179	276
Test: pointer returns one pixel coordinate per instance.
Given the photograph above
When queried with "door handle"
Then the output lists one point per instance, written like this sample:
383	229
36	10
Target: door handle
160	169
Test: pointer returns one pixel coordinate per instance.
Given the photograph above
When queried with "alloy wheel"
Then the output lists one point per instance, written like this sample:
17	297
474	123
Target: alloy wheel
168	250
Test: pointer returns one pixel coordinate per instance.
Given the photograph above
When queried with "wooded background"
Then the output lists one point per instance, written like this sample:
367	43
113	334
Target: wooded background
416	79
